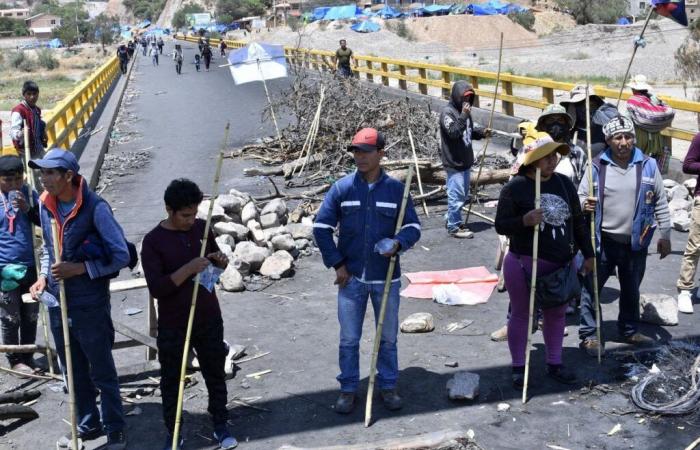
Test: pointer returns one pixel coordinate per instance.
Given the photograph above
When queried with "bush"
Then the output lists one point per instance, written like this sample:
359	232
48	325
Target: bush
16	59
399	28
295	24
47	60
27	65
525	19
594	11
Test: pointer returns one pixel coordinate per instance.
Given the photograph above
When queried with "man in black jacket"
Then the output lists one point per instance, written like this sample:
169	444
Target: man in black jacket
457	129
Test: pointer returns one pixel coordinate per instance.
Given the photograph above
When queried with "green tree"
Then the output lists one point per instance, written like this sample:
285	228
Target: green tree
594	11
13	26
180	16
235	9
106	29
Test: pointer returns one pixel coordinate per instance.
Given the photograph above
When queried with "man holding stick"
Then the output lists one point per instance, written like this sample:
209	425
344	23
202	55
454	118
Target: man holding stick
629	203
170	258
364	206
28	112
93	250
17	319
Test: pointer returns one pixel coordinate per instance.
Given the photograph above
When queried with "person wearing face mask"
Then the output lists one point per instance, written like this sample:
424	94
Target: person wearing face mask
629	204
556	122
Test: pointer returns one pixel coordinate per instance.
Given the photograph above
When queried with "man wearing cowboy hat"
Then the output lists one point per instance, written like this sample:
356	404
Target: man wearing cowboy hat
557	123
364	206
575	106
629	204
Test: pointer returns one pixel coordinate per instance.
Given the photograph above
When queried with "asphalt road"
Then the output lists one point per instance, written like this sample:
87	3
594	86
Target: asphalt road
180	120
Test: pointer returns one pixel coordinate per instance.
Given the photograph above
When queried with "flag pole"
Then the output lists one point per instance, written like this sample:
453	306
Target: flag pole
634	53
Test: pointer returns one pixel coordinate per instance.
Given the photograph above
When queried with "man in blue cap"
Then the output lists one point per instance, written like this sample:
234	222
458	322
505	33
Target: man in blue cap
90	256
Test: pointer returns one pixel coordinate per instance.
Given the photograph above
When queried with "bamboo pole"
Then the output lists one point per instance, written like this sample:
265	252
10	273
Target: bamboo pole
66	338
634	53
420	184
272	108
533	285
385	297
488	138
591	193
195	291
37	260
313	132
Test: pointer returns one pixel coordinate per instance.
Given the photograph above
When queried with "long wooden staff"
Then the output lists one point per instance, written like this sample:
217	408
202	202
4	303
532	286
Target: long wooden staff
272	108
592	192
420	184
37	260
488	138
385	297
533	285
66	338
195	291
634	53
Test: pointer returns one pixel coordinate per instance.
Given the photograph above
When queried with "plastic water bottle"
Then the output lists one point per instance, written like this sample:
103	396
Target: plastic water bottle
12	196
48	299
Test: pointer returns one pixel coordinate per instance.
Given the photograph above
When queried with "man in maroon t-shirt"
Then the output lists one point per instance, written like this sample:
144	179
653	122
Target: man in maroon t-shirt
170	258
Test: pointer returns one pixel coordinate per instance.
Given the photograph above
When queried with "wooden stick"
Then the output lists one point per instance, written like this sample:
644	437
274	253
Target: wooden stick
195	291
272	113
592	192
488	138
37	260
634	53
66	338
385	297
31	375
533	285
415	161
315	125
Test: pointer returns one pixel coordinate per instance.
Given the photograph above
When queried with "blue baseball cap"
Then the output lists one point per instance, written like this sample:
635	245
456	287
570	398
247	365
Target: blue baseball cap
56	158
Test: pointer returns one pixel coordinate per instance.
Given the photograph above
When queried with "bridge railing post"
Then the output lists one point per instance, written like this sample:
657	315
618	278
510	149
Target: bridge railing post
475	84
447	79
369	75
423	76
507	107
402	82
385	74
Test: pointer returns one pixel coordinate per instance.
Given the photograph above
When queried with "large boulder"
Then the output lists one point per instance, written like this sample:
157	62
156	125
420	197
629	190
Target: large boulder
283	242
302	244
681	221
249	212
301	230
659	309
256	233
203	210
678	192
231	203
690	184
275	231
231	280
225	239
226	250
250	255
237	231
244	196
680	204
418	323
269	220
279	265
275	206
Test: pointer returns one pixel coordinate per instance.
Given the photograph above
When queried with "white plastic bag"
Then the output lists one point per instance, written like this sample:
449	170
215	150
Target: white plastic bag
450	294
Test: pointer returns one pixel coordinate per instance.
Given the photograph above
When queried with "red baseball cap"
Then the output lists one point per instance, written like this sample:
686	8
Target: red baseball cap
367	140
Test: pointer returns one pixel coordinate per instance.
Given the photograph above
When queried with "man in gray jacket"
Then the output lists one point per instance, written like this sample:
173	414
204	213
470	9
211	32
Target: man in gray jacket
457	130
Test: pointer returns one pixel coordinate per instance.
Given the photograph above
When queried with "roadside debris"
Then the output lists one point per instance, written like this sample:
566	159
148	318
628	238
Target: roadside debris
680	202
616	429
463	386
418	323
658	309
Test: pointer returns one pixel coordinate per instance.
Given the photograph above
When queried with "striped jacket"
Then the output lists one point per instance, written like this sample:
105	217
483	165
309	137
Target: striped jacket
364	215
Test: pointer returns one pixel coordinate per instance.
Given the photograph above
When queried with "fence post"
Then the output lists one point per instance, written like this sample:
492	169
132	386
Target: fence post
548	95
402	83
447	79
507	107
475	84
370	77
315	61
385	70
422	87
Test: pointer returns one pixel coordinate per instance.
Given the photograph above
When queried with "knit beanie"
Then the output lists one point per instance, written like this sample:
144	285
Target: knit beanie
619	124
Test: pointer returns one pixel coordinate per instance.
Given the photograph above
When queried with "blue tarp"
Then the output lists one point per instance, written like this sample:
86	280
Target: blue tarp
144	24
320	12
480	10
388	13
437	10
494	7
342	12
255	51
365	27
623	21
55	43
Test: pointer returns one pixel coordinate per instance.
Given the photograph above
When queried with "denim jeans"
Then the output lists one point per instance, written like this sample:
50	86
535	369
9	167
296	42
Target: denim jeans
352	305
18	319
208	342
630	272
91	340
457	196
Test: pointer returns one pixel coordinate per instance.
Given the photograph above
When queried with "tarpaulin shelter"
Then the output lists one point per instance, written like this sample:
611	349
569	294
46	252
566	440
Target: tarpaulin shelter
257	62
481	10
365	27
320	12
388	13
55	43
437	10
623	21
342	12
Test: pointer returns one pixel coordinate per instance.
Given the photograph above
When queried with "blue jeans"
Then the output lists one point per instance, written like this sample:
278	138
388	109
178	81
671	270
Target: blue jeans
91	340
630	272
352	304
457	196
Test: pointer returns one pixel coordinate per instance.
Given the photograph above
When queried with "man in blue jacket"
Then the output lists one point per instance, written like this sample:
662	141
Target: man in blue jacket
629	201
364	206
93	250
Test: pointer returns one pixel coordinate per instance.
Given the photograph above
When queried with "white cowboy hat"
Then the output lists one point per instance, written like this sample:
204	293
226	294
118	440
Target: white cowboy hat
639	83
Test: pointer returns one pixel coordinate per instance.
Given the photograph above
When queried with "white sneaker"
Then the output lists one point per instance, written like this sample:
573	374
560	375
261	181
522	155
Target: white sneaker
685	302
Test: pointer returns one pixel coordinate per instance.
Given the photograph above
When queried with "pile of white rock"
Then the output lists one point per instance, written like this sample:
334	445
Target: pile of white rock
680	202
263	241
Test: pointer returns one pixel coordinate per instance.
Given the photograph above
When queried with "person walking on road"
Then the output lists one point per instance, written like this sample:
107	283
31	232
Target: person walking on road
160	45
222	48
457	130
364	206
17	319
197	62
144	45
123	55
154	53
178	58
343	60
93	250
689	264
131	47
207	55
563	231
170	258
629	204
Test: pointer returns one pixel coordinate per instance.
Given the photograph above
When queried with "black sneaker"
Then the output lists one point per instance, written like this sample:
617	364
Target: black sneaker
116	440
345	403
391	398
560	374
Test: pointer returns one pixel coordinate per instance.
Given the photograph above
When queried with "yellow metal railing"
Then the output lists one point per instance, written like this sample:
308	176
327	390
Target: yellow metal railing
426	75
69	116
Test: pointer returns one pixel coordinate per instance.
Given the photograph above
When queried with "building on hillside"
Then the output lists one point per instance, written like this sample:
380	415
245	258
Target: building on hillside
15	13
42	25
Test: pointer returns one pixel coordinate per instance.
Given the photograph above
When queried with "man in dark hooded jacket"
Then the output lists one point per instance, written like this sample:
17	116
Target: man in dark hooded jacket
457	130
